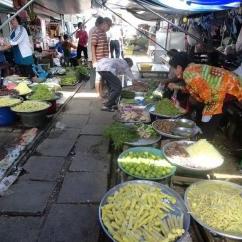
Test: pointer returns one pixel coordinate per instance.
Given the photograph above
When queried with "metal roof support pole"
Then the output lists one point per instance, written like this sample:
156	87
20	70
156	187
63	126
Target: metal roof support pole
19	11
169	22
167	33
142	32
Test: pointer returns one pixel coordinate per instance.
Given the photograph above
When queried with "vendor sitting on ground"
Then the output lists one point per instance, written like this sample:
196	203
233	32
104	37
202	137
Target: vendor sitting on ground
207	85
109	70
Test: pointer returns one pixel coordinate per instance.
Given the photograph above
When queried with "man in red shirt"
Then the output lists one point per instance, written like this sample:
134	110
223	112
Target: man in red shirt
81	34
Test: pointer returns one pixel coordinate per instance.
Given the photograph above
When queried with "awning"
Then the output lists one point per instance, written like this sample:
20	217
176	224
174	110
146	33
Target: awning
66	6
172	7
6	6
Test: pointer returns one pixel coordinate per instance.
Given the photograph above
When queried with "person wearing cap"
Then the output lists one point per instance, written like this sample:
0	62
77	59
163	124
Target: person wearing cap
208	86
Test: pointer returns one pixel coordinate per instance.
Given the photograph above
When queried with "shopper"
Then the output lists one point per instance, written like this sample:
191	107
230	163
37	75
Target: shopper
82	37
67	46
22	49
208	86
98	22
109	70
100	48
115	37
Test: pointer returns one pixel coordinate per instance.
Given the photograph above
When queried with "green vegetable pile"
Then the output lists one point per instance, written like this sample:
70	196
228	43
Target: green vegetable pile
68	80
145	165
42	92
145	131
127	94
83	70
166	107
8	101
30	106
120	133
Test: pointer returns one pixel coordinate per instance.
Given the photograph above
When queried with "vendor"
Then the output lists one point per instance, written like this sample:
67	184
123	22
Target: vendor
208	86
67	46
22	50
109	70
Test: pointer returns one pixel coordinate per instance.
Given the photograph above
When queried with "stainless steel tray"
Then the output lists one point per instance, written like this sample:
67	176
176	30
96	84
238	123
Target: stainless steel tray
188	168
173	136
145	142
151	109
179	207
202	223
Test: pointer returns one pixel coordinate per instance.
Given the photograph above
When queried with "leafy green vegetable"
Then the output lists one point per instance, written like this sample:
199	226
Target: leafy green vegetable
42	92
68	80
166	107
120	133
145	131
127	94
83	70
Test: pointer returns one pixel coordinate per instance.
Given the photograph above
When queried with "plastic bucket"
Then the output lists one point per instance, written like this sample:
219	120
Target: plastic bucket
7	117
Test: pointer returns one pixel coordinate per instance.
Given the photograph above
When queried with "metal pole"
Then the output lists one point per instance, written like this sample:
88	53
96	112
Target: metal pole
176	26
19	11
169	22
167	33
134	27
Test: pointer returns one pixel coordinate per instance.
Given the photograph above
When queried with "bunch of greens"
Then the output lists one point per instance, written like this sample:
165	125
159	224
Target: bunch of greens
42	92
120	133
127	94
68	80
146	131
166	107
83	70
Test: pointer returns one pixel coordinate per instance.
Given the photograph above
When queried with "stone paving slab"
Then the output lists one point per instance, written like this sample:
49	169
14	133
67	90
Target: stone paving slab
101	117
56	147
96	145
77	106
93	129
73	120
19	229
88	162
66	133
27	197
43	168
71	223
81	187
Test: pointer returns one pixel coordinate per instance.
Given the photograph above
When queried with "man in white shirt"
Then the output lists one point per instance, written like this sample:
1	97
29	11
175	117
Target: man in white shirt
109	70
115	37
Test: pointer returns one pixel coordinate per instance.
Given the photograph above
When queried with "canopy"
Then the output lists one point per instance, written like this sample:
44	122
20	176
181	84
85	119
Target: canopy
6	6
65	6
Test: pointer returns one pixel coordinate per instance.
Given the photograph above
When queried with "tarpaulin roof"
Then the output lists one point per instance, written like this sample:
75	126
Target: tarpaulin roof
172	7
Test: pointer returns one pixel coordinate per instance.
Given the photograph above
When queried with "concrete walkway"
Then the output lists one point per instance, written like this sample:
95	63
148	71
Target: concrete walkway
57	199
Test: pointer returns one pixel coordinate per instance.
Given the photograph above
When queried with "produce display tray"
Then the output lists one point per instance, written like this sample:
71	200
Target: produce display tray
151	109
187	168
149	150
179	207
169	135
145	142
202	223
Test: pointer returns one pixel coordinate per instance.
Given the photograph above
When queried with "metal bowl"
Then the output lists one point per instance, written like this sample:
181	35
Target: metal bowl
178	208
184	132
151	110
200	221
186	123
183	167
150	150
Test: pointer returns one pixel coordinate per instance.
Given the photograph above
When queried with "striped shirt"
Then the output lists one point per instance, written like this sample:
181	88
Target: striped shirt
100	41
